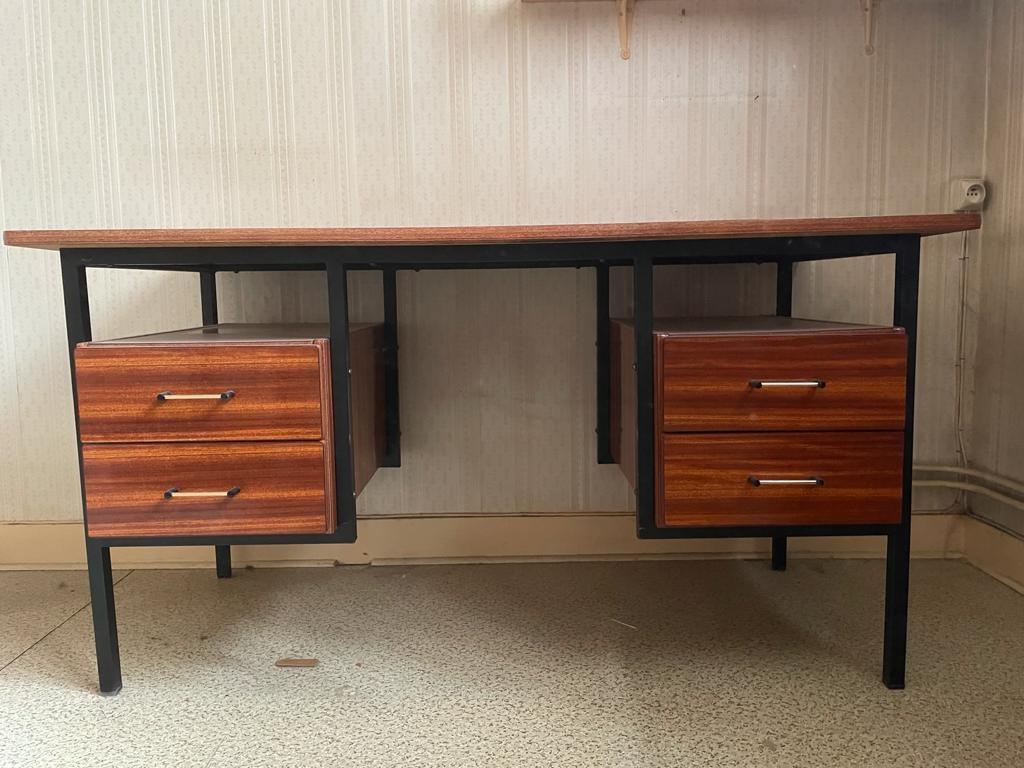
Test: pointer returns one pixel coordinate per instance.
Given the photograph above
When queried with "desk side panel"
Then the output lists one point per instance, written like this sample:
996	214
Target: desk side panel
369	435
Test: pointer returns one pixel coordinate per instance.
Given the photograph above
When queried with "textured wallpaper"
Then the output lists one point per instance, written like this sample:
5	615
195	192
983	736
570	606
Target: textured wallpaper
995	408
324	112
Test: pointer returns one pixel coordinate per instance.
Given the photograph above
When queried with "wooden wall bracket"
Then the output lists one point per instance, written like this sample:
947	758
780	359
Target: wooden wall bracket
624	10
867	7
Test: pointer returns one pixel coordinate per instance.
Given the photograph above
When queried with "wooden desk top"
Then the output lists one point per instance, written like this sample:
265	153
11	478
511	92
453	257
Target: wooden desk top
928	224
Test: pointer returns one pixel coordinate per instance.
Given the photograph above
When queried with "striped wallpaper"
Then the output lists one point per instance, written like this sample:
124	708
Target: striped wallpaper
334	112
994	409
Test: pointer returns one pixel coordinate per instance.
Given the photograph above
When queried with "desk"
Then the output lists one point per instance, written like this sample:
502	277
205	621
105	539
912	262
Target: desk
599	246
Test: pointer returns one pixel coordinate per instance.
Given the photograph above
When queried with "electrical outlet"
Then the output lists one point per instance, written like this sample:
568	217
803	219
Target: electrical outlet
967	194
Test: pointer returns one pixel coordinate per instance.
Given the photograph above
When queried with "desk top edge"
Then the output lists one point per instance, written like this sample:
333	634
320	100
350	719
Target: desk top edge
917	224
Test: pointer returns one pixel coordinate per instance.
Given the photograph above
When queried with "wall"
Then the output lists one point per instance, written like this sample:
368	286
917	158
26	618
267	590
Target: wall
192	113
996	439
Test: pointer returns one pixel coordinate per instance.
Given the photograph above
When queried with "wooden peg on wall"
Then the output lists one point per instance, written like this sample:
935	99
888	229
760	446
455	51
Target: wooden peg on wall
625	8
868	9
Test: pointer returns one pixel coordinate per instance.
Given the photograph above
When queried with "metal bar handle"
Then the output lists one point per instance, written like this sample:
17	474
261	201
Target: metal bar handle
175	493
168	395
757	482
781	384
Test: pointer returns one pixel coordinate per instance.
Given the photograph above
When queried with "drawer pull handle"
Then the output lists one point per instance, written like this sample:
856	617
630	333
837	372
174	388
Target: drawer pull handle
764	384
174	493
225	395
757	482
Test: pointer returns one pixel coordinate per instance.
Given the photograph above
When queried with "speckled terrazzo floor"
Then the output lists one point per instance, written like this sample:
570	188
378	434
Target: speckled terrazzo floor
692	663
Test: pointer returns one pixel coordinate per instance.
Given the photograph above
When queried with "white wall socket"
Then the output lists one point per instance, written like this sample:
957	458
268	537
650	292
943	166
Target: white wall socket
967	194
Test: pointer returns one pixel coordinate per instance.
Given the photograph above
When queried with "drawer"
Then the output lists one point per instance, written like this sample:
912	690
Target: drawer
248	488
216	391
821	380
726	479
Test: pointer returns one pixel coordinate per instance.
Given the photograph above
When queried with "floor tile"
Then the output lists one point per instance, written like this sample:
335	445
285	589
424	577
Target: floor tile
35	602
689	663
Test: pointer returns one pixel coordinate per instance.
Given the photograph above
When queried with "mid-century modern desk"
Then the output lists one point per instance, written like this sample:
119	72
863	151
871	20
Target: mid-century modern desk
769	427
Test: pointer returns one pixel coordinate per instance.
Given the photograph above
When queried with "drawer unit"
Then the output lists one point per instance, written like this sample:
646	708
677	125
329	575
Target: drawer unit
780	478
793	377
222	430
765	421
182	489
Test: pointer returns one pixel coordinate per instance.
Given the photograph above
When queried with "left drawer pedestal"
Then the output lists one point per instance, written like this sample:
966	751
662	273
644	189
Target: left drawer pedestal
225	430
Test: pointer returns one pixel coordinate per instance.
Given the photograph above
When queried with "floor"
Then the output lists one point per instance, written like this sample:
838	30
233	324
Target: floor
684	663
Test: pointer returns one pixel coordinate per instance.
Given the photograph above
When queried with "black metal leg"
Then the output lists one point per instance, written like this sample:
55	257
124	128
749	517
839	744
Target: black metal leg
897	587
897	560
393	426
208	298
337	307
643	327
783	308
604	386
76	307
223	552
779	553
104	619
784	289
101	581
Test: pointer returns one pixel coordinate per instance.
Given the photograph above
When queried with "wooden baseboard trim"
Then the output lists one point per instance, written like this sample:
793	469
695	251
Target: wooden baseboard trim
31	546
996	552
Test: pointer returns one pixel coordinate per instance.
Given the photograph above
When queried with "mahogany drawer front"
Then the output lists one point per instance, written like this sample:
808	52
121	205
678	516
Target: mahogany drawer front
808	381
828	478
254	392
282	487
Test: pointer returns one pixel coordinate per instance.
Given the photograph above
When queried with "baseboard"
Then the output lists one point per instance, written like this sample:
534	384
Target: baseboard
466	539
997	553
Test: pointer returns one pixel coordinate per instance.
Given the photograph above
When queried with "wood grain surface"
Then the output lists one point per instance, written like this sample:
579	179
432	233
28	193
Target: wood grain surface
923	224
705	478
282	488
277	391
369	436
706	380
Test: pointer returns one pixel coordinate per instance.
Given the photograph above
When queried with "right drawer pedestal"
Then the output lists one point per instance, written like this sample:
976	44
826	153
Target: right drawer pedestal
768	421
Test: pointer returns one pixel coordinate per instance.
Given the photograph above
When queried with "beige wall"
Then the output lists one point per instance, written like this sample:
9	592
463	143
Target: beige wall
192	113
996	414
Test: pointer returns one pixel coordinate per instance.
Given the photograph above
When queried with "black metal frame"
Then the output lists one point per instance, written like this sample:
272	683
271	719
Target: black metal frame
642	256
392	413
208	303
604	385
783	308
897	559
